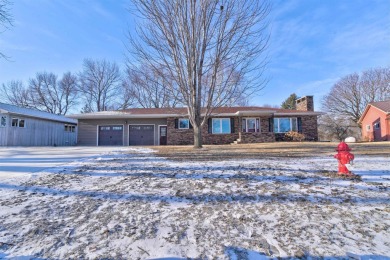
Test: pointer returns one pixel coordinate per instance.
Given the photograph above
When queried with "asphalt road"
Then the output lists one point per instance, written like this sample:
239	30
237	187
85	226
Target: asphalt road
20	162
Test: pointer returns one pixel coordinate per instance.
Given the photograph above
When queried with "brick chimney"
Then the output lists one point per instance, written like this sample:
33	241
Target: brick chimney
305	103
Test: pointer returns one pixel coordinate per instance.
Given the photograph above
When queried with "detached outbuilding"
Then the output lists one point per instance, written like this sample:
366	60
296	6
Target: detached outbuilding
28	127
375	121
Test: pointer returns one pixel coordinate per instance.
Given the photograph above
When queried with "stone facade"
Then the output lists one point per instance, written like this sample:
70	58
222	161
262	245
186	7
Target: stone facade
310	128
186	136
305	103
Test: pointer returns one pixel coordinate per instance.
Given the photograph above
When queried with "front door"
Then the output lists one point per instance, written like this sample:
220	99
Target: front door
163	135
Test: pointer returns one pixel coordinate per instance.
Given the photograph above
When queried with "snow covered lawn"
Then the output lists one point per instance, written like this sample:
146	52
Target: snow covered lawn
135	205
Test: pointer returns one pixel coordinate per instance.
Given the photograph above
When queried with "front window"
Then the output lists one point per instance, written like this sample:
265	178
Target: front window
3	121
377	126
251	125
284	125
221	126
184	123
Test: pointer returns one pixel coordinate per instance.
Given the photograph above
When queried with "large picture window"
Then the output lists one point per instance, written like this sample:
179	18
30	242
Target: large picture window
221	126
284	125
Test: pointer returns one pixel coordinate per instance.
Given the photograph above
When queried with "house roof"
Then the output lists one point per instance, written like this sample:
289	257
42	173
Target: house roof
182	111
384	106
7	108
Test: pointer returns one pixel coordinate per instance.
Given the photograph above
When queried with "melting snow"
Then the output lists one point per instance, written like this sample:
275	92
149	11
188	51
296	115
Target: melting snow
132	204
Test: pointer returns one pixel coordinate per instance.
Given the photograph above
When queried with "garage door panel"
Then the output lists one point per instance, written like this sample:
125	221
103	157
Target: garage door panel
110	135
141	135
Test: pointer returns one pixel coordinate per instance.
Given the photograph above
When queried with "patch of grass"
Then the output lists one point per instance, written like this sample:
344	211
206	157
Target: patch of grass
276	149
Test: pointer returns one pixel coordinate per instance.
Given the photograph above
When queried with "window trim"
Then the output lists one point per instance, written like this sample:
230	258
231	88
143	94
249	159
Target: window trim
291	124
188	123
220	120
257	124
18	122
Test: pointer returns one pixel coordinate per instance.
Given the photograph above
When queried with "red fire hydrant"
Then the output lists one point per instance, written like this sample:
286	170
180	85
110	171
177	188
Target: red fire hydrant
344	157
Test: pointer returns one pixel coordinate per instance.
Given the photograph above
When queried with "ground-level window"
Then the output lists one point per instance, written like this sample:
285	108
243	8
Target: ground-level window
284	125
17	122
184	123
221	126
251	125
368	127
3	121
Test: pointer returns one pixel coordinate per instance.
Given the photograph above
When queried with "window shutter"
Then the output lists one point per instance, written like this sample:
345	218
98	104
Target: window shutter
190	125
270	124
210	125
244	125
232	125
299	121
257	125
176	123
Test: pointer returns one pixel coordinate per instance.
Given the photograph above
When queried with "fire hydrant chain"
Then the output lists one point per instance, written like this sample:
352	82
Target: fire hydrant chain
344	157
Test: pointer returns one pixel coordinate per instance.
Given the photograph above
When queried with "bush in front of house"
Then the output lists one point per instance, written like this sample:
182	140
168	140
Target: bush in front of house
294	136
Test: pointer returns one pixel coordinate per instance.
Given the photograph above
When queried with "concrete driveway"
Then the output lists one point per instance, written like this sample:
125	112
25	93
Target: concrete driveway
20	162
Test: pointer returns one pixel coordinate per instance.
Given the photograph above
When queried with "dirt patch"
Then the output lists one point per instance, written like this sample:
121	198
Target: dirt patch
262	150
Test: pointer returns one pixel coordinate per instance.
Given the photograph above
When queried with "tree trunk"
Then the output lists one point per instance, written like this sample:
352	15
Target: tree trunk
197	136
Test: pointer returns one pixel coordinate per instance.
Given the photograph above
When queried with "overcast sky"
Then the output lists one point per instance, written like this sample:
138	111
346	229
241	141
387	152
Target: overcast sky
313	42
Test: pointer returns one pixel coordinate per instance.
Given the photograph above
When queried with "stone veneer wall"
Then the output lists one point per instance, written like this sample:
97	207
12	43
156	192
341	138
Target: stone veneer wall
305	103
186	136
310	128
262	137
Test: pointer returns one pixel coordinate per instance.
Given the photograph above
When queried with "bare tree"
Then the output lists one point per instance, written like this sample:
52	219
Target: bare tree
14	92
351	94
5	18
150	87
68	98
336	128
199	41
100	83
46	94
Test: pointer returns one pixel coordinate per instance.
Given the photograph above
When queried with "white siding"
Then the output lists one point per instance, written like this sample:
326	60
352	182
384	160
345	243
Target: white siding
37	132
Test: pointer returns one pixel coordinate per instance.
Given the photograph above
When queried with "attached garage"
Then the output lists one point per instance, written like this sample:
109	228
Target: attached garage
141	134
110	135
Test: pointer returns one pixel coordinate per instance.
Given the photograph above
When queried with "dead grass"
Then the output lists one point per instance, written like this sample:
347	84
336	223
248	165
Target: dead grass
276	149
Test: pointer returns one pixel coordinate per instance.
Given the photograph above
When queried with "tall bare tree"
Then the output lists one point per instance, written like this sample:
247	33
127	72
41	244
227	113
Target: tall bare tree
351	94
100	84
203	40
150	88
47	94
68	86
14	92
5	18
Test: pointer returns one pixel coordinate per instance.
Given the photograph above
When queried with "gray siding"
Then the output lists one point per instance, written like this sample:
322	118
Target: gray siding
88	128
37	132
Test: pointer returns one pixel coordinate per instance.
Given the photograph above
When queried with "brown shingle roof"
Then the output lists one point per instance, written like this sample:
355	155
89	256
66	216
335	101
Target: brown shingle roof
219	110
382	105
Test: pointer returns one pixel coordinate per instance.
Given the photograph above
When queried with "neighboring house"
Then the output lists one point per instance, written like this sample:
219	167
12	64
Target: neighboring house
171	126
28	127
375	121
